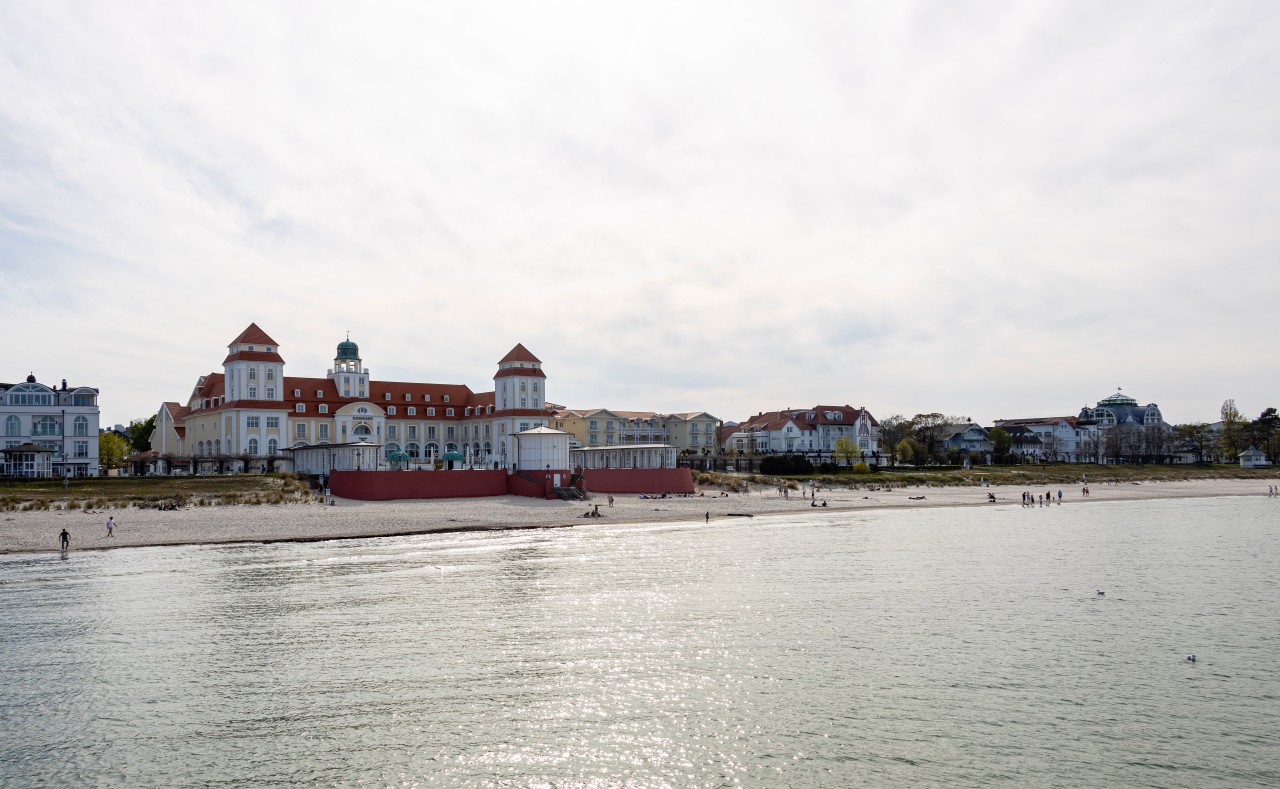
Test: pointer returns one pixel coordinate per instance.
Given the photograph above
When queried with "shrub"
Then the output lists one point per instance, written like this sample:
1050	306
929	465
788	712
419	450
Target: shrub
861	468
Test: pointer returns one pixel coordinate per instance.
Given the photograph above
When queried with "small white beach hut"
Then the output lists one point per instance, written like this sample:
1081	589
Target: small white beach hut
1252	458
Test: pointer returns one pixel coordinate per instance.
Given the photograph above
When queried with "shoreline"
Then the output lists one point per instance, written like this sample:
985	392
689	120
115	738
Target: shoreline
35	532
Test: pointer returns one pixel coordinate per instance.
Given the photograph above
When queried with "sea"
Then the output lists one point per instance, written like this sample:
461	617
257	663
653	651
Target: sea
950	647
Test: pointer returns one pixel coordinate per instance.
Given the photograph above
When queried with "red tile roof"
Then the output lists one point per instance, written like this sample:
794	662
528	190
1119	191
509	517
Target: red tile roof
519	354
531	372
253	356
254	335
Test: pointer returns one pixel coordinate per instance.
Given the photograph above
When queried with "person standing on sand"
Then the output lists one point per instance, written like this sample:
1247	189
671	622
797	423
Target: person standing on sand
708	516
66	539
111	526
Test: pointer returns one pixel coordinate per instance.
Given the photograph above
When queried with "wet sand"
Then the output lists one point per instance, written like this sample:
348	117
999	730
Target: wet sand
32	532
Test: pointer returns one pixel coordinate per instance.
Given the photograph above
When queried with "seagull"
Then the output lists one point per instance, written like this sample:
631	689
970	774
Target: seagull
1191	658
1101	593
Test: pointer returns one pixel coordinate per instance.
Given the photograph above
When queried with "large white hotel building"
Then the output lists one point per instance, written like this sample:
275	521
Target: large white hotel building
251	412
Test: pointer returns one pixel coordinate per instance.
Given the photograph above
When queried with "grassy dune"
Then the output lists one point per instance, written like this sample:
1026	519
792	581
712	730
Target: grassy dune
153	492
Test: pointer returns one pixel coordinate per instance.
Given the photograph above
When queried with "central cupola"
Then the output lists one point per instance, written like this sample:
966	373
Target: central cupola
349	376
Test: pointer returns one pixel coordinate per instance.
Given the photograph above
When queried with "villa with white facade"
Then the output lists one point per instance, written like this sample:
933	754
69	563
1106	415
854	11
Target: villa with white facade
49	431
811	430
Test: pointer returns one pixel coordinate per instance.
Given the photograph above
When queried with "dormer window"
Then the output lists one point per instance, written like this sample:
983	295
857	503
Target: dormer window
268	349
426	398
297	393
300	408
387	396
324	409
407	397
467	411
319	393
391	410
448	412
446	398
431	412
411	411
251	347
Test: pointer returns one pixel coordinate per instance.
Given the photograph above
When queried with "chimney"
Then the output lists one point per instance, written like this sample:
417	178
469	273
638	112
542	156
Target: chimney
64	384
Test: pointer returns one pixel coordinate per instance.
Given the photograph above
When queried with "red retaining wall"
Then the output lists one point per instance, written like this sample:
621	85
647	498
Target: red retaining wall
638	480
385	485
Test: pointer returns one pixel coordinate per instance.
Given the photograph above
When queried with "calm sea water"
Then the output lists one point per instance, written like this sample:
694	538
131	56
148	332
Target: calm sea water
915	648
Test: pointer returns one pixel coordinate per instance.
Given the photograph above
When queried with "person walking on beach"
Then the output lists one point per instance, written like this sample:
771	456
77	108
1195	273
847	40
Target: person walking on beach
66	539
708	516
610	501
1059	495
111	526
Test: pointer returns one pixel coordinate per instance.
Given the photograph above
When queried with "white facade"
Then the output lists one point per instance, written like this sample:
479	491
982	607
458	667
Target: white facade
541	448
63	422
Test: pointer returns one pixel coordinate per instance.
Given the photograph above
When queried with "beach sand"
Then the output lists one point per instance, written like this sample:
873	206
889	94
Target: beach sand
37	531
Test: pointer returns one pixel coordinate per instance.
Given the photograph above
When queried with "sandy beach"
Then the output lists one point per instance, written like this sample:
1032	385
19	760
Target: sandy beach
37	531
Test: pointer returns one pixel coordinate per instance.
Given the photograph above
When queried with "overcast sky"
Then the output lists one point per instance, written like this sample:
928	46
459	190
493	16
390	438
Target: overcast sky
989	210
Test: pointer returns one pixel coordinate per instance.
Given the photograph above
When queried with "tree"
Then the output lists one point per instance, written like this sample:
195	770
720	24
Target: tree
1002	444
1196	438
893	429
910	450
1265	432
846	451
140	431
929	430
112	450
1232	434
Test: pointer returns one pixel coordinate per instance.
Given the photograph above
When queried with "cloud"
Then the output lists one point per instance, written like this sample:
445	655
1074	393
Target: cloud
983	209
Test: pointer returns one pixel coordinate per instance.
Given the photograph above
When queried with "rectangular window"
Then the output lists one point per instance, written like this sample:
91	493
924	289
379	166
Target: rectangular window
391	432
524	426
251	421
431	432
82	449
446	398
253	393
413	432
386	396
448	432
273	421
324	430
300	430
595	438
594	426
271	393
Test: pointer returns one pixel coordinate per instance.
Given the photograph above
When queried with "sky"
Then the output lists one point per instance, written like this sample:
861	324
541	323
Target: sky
991	210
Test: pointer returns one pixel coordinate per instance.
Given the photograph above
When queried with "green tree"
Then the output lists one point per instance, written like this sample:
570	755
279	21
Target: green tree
1002	444
893	429
112	450
140	431
909	450
1233	430
1266	433
846	451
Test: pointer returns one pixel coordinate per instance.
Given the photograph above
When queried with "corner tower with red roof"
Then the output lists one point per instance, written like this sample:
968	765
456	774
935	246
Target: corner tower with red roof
519	397
253	368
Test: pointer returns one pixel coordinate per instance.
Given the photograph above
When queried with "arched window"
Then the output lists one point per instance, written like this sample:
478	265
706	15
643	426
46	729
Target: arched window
217	446
362	431
253	446
82	426
299	443
272	446
450	447
271	373
13	426
253	374
433	450
45	426
488	448
391	447
412	449
475	450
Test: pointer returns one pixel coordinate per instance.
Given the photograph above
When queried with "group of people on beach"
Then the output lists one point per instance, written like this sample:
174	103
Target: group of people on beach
1030	499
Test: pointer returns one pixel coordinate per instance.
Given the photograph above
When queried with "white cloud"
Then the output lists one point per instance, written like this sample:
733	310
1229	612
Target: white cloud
987	210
